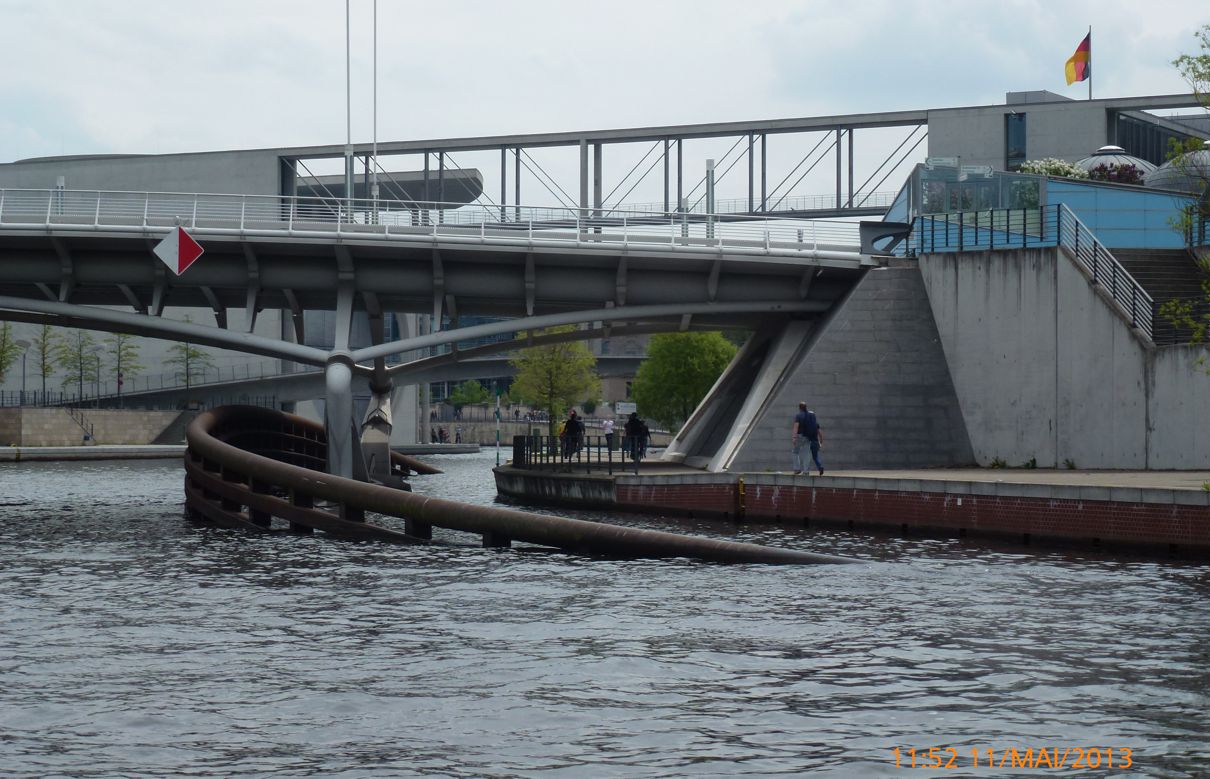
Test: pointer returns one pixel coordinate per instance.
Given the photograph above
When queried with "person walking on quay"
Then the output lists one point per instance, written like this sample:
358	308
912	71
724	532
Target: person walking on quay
806	432
607	429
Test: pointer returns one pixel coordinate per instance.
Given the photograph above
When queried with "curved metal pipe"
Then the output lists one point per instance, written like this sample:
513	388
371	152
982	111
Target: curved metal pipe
573	535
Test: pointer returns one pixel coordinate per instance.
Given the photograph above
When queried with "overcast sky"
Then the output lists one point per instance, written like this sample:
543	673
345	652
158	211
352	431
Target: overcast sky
86	77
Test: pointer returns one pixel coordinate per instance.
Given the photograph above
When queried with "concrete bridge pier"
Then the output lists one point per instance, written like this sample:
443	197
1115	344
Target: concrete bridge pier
873	370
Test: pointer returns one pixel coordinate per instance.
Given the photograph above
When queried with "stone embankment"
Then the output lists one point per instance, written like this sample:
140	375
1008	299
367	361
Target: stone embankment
25	427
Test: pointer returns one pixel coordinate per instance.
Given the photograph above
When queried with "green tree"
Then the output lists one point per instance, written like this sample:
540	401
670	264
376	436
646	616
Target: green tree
468	393
679	370
45	351
1195	68
1185	156
189	361
1187	314
77	357
556	376
9	351
123	353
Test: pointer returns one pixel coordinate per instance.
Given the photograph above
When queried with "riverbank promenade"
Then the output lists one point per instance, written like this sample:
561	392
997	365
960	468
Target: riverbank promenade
1166	511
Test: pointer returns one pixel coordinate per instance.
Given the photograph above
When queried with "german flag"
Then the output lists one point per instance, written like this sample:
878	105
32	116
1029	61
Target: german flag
1079	67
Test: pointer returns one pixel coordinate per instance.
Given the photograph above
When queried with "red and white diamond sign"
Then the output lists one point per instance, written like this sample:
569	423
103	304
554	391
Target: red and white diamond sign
178	250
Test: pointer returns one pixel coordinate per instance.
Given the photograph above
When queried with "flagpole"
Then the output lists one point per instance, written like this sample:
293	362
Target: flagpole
1090	62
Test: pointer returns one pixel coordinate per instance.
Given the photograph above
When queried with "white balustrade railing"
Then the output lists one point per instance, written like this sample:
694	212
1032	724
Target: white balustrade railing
393	219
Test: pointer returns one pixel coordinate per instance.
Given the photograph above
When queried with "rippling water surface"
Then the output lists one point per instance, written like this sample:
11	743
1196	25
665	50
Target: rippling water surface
135	644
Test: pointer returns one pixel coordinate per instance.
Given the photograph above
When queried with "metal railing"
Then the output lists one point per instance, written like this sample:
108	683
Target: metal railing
35	398
1048	226
1181	321
82	421
1105	270
560	453
207	377
1002	228
38	399
143	212
739	205
1198	231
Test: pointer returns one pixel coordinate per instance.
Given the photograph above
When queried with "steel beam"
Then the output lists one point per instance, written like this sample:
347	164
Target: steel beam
132	298
531	284
583	175
596	179
503	182
220	311
628	313
67	271
168	329
252	292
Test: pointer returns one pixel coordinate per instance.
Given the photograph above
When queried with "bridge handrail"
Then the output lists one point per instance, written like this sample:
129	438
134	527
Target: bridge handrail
1105	269
160	211
740	205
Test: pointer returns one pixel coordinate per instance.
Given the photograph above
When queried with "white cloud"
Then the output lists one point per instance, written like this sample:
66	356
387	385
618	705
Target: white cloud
154	76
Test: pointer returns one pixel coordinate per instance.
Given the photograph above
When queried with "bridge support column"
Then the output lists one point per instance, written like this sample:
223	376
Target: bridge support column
376	437
493	539
344	452
414	527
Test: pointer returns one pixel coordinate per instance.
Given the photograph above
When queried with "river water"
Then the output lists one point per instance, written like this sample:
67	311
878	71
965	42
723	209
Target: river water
133	644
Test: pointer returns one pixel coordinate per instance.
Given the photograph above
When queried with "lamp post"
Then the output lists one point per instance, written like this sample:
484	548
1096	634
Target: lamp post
24	344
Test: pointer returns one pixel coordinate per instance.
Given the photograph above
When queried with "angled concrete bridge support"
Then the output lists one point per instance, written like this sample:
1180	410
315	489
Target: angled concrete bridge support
874	371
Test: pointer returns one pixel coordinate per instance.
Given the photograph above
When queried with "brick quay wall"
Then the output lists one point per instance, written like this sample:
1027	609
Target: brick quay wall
1155	518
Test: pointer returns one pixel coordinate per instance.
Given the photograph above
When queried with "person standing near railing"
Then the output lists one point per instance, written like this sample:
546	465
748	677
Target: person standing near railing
634	436
607	429
573	434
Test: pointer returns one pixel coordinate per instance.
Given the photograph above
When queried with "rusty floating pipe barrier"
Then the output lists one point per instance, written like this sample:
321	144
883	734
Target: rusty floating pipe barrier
272	444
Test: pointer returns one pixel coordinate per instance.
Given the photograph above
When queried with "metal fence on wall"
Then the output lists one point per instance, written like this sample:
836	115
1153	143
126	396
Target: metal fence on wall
585	455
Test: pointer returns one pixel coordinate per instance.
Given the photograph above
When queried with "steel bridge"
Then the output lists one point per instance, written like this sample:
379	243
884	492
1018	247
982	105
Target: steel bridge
69	258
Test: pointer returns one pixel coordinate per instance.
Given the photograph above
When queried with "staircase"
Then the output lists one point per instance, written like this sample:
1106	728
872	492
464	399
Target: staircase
78	417
1166	274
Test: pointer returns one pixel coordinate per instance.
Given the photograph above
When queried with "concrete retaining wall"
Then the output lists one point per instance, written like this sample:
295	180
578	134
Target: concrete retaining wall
1046	369
10	426
555	488
55	426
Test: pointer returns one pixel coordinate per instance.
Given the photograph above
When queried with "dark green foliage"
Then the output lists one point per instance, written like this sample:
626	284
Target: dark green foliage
469	393
679	370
